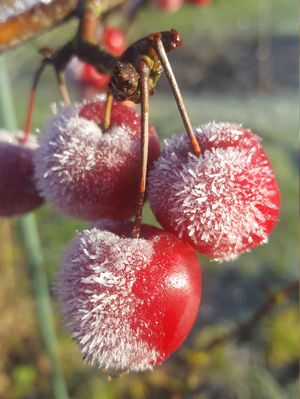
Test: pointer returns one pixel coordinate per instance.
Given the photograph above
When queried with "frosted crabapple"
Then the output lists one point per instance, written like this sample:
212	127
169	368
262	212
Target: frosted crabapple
224	201
87	172
18	192
129	302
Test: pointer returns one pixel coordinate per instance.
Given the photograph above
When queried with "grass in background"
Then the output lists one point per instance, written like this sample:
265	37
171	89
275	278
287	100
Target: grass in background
265	367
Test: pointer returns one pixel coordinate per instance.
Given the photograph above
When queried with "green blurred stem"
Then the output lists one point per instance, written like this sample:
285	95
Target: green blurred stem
30	238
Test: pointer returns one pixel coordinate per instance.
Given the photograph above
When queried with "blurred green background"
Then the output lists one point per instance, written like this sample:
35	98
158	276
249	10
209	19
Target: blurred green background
238	63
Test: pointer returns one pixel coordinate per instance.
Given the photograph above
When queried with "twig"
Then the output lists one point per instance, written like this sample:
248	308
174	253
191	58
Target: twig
144	86
31	104
107	110
63	87
161	52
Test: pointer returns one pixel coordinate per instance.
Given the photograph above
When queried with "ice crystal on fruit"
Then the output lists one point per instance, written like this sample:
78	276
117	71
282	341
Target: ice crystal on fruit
95	285
12	139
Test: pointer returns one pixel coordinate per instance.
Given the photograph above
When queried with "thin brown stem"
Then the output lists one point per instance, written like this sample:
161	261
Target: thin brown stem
31	104
91	12
88	24
63	87
107	110
161	52
144	87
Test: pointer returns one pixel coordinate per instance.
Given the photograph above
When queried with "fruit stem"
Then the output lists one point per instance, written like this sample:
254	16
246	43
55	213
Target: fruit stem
107	110
31	104
63	87
36	80
144	87
161	52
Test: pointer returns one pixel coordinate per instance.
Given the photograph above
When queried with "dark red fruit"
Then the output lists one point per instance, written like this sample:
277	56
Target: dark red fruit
18	192
114	40
87	173
91	77
223	202
129	303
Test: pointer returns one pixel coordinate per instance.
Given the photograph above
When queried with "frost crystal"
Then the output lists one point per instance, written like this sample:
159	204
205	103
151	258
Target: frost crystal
96	288
223	202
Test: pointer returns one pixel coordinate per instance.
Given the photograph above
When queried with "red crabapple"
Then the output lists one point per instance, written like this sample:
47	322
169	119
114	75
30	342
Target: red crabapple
169	5
223	202
90	76
87	173
18	193
87	76
129	303
114	40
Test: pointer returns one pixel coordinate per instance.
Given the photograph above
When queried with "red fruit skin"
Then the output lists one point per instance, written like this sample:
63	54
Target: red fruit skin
71	144
114	40
164	298
122	200
122	115
92	77
174	279
249	203
169	6
18	192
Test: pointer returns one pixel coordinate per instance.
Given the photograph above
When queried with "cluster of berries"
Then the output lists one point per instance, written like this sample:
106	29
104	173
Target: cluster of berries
131	301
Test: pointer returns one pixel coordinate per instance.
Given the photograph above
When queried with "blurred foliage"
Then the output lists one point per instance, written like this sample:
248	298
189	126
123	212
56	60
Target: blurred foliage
265	367
283	347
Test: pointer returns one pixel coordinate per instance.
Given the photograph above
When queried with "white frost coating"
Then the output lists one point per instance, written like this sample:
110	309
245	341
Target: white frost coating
12	138
76	161
94	285
215	199
74	70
